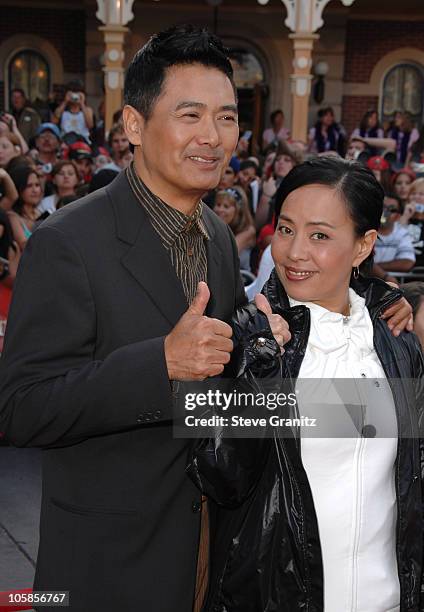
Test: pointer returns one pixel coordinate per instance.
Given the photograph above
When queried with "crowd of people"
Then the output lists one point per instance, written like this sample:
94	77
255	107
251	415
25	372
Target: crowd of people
45	165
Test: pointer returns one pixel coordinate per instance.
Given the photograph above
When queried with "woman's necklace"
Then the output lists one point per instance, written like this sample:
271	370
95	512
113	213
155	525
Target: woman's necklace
346	318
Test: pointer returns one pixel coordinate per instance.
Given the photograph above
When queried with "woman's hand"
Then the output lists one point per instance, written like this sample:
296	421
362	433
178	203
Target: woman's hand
279	326
399	317
408	213
269	187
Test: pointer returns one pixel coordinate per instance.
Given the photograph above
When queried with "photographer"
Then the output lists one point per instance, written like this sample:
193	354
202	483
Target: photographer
47	144
73	115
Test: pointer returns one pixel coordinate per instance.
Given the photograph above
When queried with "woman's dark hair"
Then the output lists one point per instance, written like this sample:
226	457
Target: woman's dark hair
20	176
6	238
418	146
285	149
358	186
179	45
363	126
275	114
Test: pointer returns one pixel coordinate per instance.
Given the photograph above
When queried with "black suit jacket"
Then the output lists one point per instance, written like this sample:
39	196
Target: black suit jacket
83	375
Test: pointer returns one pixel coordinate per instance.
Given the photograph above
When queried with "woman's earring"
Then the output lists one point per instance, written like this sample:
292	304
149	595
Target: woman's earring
355	272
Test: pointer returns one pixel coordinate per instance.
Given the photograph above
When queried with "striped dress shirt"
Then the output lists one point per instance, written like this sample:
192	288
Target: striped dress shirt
182	236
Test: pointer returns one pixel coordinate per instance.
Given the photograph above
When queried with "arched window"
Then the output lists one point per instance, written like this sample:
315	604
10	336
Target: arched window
403	91
247	70
28	70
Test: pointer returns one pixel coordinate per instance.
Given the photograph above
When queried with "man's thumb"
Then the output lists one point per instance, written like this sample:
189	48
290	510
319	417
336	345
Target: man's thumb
201	299
262	304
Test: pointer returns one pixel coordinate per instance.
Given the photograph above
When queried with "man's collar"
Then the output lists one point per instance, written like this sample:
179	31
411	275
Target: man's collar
158	209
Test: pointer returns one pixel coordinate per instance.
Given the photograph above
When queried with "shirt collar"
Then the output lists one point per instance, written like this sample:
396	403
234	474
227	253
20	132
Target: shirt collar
169	222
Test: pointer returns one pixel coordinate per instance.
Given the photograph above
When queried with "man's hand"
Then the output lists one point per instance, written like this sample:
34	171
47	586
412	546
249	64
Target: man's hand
399	316
198	346
279	326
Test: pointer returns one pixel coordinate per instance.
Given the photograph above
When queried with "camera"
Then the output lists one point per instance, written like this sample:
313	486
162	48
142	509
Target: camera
75	97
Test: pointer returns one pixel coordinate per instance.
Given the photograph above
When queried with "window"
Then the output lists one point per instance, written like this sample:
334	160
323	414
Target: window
28	70
247	69
403	91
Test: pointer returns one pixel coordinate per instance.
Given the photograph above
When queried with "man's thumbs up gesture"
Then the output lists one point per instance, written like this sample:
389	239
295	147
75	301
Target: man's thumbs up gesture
198	346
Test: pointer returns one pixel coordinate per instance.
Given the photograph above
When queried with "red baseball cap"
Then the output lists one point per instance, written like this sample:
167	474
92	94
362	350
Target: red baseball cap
377	162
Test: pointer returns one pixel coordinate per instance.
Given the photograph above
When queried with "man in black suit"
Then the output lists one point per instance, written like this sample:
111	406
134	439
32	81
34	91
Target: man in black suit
117	296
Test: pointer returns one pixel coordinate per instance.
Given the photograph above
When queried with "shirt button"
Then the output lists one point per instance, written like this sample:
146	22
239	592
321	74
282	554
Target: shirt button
189	251
196	506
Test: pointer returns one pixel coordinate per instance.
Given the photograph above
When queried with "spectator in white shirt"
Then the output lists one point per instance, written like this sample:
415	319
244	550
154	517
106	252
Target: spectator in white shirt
65	178
277	131
394	251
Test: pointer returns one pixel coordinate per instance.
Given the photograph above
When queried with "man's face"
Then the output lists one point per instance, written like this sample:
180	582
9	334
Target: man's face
119	143
46	142
191	134
391	212
85	167
18	100
246	176
355	148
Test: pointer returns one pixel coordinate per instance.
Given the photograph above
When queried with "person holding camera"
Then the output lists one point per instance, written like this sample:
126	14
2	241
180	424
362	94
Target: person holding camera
73	115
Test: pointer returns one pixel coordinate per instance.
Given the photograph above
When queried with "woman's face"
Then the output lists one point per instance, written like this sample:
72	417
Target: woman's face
283	165
327	119
66	179
225	208
227	179
402	184
32	193
419	323
372	120
398	120
417	195
315	247
7	151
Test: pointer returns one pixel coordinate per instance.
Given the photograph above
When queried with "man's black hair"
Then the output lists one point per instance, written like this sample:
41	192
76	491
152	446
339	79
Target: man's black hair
18	90
248	163
362	193
394	196
179	45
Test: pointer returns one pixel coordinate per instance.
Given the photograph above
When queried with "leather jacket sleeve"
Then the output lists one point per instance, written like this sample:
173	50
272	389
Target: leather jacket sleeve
419	394
227	469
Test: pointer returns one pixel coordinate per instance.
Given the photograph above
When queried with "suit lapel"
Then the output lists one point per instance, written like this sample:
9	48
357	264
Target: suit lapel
146	260
214	258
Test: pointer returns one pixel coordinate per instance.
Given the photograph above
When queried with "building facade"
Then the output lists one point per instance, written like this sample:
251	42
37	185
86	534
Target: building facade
373	52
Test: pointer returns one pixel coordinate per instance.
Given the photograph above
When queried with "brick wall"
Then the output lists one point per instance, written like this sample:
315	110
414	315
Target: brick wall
368	41
354	107
65	30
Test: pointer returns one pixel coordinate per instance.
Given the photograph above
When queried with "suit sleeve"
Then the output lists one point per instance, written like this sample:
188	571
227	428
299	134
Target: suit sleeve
52	390
240	294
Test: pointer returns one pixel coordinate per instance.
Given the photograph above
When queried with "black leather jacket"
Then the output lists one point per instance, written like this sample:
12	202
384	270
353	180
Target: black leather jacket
265	549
